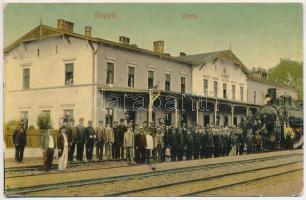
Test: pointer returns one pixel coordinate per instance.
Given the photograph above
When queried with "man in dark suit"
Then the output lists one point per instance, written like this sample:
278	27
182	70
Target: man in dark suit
80	140
20	141
90	140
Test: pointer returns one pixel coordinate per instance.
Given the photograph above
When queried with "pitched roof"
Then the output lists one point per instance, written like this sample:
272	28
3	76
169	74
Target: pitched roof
205	57
43	31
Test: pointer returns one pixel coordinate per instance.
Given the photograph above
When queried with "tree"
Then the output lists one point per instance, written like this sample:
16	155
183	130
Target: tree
44	121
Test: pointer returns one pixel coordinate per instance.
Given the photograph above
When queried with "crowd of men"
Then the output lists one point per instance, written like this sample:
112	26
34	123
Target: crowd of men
138	144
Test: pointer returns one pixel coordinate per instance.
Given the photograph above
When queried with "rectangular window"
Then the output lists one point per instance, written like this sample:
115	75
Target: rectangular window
24	116
46	112
68	113
131	76
183	84
26	78
150	79
224	90
167	82
254	97
241	93
233	92
110	73
205	87
69	74
215	89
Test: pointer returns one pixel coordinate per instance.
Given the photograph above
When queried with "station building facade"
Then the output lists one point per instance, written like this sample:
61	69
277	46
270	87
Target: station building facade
58	72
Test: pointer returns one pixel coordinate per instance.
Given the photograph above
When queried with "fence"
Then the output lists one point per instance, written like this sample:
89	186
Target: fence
33	137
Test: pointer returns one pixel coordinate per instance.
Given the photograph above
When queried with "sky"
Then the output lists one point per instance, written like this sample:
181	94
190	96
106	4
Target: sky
259	34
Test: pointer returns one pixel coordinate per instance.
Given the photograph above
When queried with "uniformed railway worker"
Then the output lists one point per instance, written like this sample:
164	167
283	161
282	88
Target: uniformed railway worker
72	138
289	136
189	144
90	140
234	143
180	144
140	143
210	143
80	140
166	131
20	141
173	143
249	141
257	141
240	140
196	142
217	142
204	138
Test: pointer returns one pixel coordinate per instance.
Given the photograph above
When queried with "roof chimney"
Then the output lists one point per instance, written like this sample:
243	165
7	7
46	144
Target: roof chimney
158	46
88	31
182	54
124	40
64	25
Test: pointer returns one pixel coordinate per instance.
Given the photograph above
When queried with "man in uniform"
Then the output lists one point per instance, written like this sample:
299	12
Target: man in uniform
210	143
240	141
100	140
80	140
166	133
72	134
257	141
20	141
140	143
249	141
189	144
90	140
196	142
180	144
173	143
119	150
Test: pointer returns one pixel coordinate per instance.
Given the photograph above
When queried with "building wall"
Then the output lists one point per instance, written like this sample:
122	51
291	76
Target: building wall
222	71
47	79
261	90
142	63
56	101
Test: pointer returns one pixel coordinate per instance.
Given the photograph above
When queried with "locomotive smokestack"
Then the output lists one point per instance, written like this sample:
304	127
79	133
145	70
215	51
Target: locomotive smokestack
272	93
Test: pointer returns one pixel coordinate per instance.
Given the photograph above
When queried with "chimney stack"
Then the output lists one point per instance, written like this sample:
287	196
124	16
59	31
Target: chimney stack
88	31
182	54
158	46
65	25
124	40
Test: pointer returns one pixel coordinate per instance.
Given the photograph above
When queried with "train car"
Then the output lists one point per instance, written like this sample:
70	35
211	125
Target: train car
276	113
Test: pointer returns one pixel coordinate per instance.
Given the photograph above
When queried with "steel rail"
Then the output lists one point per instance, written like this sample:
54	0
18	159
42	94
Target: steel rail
99	168
42	187
242	182
197	180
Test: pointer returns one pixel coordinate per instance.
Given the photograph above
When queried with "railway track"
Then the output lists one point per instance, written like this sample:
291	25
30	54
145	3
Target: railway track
70	168
104	180
172	188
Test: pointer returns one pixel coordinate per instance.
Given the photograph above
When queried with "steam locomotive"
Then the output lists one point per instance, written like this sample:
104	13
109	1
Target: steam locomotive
277	112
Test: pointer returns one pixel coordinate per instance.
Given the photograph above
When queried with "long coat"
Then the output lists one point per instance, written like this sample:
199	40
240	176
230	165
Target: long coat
128	139
20	137
81	137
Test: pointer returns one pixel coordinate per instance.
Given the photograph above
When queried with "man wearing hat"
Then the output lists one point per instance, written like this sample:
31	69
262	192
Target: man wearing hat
72	139
80	140
90	140
20	141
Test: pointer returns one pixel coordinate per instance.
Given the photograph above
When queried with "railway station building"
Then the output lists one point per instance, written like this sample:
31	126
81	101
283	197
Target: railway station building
59	72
